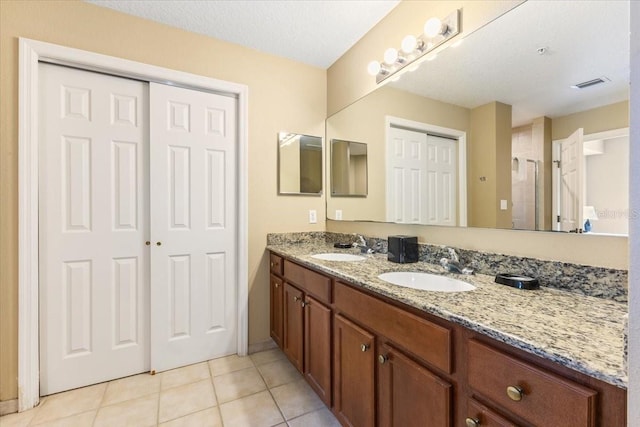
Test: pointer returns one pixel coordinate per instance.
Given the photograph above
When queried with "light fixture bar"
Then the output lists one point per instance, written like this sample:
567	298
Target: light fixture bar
423	44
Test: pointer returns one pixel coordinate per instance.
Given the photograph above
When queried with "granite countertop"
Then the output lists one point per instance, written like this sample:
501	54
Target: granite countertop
580	332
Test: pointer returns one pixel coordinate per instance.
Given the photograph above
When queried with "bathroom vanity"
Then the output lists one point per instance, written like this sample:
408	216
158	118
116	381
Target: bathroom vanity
379	354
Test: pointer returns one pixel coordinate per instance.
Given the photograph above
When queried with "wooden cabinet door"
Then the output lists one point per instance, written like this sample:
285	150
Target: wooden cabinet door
409	394
354	376
317	348
276	315
293	325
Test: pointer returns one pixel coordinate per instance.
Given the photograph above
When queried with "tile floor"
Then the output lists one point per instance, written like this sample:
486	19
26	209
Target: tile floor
260	390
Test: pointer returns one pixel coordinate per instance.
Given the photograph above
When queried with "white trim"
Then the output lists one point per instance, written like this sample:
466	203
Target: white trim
461	136
32	52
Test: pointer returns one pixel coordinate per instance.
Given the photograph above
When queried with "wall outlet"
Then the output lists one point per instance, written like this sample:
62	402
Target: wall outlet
313	216
338	214
503	205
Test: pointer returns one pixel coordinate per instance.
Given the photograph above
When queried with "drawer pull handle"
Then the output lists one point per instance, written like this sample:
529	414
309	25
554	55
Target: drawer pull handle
472	422
364	347
515	393
382	359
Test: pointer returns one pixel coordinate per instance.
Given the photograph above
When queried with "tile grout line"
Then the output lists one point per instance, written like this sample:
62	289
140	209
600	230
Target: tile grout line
215	393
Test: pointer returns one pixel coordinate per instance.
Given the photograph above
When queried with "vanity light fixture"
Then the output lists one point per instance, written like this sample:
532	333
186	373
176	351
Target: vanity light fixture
435	33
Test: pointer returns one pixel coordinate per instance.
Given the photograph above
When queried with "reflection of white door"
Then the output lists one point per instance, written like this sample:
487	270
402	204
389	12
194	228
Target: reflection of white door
571	182
111	306
94	283
441	181
406	176
421	178
193	223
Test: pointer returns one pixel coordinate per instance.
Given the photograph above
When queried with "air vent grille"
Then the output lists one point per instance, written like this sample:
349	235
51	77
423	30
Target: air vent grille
590	83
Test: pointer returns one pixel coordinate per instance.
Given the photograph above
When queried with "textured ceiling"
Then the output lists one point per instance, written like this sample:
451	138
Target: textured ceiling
316	32
583	40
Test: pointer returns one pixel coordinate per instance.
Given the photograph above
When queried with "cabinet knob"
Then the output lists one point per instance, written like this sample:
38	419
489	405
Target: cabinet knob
382	359
276	284
364	347
296	298
515	393
272	264
472	422
305	303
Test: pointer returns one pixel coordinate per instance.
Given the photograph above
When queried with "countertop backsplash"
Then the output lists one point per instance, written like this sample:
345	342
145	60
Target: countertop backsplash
600	282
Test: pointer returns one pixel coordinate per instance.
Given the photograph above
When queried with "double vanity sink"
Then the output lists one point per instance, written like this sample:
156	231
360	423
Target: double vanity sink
408	279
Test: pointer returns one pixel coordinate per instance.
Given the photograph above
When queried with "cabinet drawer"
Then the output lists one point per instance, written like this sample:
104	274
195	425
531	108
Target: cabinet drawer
538	396
481	416
309	281
276	264
430	342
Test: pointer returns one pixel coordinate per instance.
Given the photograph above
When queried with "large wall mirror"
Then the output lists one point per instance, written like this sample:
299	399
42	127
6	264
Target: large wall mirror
299	164
476	136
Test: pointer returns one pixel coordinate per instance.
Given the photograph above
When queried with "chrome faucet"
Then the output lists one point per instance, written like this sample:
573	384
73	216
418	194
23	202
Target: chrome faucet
453	265
364	246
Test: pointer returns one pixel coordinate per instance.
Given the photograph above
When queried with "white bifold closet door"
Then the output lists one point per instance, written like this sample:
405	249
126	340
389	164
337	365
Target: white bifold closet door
137	233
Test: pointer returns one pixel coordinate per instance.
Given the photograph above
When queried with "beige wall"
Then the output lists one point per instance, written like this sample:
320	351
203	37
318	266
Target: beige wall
347	78
608	117
364	121
283	95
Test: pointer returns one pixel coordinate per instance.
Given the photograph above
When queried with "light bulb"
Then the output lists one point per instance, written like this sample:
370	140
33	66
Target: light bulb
409	43
390	56
373	68
433	27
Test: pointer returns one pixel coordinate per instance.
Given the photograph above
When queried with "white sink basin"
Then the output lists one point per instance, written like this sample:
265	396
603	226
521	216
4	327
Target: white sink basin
426	281
338	257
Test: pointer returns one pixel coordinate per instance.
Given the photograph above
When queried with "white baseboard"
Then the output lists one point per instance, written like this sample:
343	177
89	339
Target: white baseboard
8	407
262	346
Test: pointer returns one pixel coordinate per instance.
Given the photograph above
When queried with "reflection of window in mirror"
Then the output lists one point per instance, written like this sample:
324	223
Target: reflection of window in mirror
299	164
348	168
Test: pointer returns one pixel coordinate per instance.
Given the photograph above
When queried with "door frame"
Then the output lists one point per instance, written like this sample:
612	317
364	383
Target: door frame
31	52
461	136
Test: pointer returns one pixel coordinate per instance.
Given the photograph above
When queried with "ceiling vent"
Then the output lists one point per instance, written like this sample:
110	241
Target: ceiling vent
589	83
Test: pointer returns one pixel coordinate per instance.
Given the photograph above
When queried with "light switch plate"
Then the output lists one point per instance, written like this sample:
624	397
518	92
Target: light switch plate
313	216
338	214
503	205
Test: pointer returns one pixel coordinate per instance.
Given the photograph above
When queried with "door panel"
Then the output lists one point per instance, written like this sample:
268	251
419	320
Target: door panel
572	186
193	226
317	348
293	325
93	272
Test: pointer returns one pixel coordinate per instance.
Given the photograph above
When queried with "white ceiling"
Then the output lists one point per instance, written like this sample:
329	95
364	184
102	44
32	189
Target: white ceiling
585	40
315	32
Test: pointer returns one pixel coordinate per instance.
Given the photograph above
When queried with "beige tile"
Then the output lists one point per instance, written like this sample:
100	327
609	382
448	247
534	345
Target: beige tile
279	372
20	419
185	375
267	356
207	418
84	419
321	418
296	398
232	363
186	399
131	388
238	384
138	412
68	403
257	410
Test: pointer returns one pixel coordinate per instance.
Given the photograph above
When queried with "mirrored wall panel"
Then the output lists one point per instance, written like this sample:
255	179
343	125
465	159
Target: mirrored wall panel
299	164
475	136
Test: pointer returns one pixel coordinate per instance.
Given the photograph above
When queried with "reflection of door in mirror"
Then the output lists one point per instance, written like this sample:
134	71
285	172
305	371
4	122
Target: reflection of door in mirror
591	182
421	178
